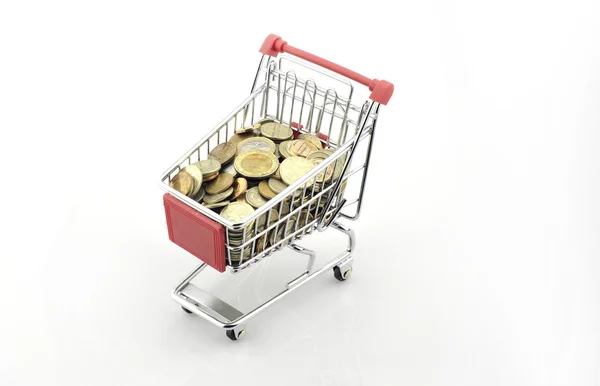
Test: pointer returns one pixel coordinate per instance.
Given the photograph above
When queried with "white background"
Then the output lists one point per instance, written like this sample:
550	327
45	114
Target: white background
477	257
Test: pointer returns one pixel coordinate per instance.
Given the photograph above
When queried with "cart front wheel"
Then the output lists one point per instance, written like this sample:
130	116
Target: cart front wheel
337	273
235	335
186	310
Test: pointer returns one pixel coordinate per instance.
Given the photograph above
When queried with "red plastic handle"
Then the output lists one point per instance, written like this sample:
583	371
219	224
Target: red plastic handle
381	90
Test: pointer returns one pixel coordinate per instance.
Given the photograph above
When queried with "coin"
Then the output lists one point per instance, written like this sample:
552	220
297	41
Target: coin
216	205
223	152
208	167
261	243
265	120
277	175
276	131
237	211
194	171
247	129
313	139
257	164
284	231
301	148
237	138
284	149
214	198
256	143
265	191
273	217
294	168
200	195
240	185
211	177
316	158
220	184
276	185
183	183
254	198
230	169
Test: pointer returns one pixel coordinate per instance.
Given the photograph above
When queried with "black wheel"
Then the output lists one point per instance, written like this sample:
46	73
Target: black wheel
231	334
186	310
337	273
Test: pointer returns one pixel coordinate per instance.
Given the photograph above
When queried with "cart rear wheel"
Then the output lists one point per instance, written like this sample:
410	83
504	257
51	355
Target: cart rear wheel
337	273
186	310
233	335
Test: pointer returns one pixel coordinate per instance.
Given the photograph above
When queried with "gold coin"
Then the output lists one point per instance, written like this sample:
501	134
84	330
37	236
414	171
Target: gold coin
240	185
223	152
220	184
254	198
276	131
277	175
208	167
211	177
276	185
313	139
194	171
237	138
265	120
242	198
183	183
316	158
216	205
256	164
272	216
265	191
237	211
214	198
200	195
301	148
294	168
247	129
284	149
256	143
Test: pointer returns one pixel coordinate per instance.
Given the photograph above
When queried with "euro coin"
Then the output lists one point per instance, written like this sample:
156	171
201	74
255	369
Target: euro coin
223	152
237	138
194	171
216	205
200	195
316	158
247	129
254	198
276	185
256	164
214	198
301	148
240	185
276	131
313	139
277	175
211	177
294	168
256	143
284	149
229	168
265	191
208	167
237	211
271	215
284	231
219	184
265	120
183	183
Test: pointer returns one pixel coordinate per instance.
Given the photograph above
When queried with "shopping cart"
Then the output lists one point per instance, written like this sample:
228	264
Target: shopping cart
307	93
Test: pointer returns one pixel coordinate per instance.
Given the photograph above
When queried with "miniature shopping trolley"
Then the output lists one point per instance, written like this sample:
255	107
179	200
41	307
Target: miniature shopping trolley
311	95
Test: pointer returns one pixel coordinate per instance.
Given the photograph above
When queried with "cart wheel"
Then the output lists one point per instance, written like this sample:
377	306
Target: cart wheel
186	310
337	273
231	334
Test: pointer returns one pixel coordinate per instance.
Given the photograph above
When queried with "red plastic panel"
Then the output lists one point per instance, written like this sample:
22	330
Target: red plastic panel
196	233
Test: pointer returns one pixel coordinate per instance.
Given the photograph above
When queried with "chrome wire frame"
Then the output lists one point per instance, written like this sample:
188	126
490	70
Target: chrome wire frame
278	93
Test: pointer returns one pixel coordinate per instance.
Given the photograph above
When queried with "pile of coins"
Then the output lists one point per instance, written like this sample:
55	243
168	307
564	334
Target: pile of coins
254	166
